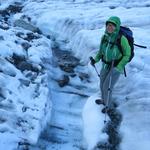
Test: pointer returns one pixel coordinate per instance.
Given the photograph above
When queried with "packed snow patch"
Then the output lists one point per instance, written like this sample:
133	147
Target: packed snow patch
93	123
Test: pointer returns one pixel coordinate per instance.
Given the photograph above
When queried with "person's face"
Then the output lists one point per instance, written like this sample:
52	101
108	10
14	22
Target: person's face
110	27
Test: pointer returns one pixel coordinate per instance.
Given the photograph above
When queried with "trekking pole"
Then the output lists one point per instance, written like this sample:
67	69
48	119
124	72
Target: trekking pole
109	91
91	58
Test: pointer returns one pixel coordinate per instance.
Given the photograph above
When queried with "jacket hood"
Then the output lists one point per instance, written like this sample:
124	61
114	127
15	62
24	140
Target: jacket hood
115	20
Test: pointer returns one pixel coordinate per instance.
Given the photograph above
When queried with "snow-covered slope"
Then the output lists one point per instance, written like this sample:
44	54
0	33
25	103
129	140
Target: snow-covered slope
25	106
75	26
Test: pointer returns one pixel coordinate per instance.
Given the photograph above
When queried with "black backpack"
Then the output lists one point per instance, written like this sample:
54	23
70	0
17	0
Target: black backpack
127	32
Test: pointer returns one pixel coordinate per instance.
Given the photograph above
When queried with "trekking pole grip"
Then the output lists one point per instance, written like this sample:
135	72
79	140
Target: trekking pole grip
92	63
91	58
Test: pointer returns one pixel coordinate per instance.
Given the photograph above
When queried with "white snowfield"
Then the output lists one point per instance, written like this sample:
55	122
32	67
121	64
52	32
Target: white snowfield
79	23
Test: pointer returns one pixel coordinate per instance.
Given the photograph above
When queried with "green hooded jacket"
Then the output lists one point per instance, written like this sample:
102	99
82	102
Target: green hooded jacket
109	52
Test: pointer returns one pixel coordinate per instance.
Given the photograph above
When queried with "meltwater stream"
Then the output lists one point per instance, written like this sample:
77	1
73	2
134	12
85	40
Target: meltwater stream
64	131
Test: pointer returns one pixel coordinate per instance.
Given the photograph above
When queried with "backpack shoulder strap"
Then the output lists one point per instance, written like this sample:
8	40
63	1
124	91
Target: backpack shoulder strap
103	38
119	43
121	50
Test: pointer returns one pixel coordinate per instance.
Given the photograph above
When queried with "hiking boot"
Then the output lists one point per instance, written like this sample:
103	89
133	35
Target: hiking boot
99	101
105	110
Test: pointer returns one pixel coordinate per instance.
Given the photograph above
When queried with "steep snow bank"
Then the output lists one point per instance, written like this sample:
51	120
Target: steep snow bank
25	104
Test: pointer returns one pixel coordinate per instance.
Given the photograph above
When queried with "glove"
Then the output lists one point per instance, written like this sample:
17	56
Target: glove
92	61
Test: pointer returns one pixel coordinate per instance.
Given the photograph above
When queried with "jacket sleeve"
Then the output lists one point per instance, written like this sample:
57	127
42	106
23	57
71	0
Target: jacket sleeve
99	53
126	54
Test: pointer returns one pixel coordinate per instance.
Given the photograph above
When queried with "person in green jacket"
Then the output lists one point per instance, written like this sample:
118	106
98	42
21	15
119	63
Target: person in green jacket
109	52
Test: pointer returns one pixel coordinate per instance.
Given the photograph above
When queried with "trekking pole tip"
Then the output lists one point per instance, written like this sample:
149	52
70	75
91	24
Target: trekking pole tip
105	121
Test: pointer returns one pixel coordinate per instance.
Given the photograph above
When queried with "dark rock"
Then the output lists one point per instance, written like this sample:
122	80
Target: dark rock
147	5
25	17
115	116
40	32
112	7
16	8
24	82
31	75
67	67
24	65
48	36
24	145
73	75
66	61
17	59
17	42
55	46
2	120
83	76
20	34
6	18
20	121
64	81
24	108
103	146
4	26
25	45
30	36
4	13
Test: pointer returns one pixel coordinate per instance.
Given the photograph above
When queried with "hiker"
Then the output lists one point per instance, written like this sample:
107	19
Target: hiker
108	53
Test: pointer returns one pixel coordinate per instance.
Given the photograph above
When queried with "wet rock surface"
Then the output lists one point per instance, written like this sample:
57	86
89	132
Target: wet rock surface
57	134
111	128
6	13
64	81
65	59
28	36
26	25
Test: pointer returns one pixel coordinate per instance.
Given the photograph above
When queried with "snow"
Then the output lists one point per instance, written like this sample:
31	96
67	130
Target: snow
86	41
93	123
25	106
26	109
135	125
39	51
